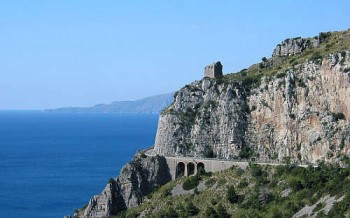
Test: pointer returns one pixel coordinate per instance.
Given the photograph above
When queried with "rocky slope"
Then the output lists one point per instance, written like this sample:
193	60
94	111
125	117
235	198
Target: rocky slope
294	105
254	192
137	179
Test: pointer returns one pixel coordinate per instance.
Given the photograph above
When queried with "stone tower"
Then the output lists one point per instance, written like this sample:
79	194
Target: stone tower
213	70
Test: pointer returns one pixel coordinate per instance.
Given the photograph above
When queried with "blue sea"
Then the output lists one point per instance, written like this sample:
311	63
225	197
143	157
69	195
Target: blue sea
52	163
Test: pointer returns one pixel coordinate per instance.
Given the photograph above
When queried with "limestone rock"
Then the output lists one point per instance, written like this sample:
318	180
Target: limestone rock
293	115
137	179
294	46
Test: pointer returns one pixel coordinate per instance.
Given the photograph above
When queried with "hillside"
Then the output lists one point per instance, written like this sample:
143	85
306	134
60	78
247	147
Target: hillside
153	104
295	104
290	109
257	191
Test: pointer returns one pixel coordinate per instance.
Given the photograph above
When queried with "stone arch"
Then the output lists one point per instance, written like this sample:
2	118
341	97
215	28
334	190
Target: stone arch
190	169
180	170
200	167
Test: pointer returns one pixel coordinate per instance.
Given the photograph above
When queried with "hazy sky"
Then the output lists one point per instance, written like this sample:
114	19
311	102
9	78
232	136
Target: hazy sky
56	53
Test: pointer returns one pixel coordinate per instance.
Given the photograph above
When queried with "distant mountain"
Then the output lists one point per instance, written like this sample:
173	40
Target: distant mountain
154	104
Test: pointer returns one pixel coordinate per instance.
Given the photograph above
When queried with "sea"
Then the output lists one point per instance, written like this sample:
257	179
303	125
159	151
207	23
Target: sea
52	163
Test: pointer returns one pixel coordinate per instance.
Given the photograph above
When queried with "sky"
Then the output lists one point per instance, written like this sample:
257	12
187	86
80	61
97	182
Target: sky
59	53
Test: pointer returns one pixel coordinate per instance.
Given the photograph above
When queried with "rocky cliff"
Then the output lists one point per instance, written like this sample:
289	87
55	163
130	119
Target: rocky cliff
137	179
295	105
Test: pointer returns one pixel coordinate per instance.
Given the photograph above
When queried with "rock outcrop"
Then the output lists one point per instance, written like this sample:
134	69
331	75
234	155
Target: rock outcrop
286	109
137	179
300	112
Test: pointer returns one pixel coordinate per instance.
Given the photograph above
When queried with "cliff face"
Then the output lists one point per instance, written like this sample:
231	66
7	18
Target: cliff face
137	179
297	109
294	106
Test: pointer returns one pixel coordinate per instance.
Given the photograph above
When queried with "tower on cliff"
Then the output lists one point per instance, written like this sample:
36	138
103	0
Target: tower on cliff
213	70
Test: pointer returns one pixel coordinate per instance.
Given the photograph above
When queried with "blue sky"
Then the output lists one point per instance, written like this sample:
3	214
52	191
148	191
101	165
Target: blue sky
61	53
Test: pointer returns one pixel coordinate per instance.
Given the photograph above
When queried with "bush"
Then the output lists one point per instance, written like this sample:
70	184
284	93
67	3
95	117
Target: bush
209	153
221	212
210	212
343	54
191	182
316	56
112	181
324	36
246	152
338	116
191	209
232	196
280	75
167	213
251	80
165	191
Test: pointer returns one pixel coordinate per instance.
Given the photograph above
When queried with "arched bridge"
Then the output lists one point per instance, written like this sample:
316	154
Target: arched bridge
187	166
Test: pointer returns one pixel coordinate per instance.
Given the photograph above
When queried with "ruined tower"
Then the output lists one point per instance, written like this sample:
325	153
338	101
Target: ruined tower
213	70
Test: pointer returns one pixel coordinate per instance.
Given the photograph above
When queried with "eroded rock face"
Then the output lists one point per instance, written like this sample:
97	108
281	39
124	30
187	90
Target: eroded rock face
137	179
294	46
302	113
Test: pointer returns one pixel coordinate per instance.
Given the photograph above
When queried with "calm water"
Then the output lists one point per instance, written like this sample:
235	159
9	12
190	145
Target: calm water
51	163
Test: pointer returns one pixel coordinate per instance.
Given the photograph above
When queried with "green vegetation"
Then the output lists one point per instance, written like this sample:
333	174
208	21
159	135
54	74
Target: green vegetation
111	181
209	153
331	43
338	116
191	182
254	192
246	153
232	196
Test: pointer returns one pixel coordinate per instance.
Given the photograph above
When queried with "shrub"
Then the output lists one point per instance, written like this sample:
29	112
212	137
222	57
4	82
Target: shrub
280	75
209	153
338	116
251	80
191	182
246	152
324	36
221	212
243	183
232	196
165	191
210	212
191	209
343	54
264	59
316	56
318	207
112	181
301	82
167	213
295	185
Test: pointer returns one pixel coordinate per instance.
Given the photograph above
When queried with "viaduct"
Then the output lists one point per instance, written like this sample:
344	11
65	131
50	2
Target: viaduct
187	166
